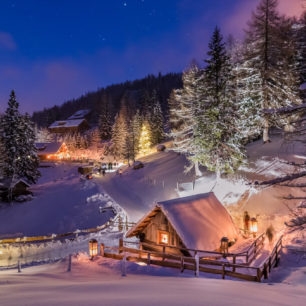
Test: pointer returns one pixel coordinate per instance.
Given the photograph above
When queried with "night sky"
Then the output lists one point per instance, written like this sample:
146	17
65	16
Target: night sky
52	51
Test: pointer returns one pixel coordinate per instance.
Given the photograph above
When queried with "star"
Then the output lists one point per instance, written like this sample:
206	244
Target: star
124	4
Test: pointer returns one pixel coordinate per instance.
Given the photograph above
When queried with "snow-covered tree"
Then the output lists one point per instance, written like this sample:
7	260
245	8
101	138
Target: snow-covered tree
217	138
183	110
17	136
105	125
156	121
43	135
119	132
95	140
269	54
133	137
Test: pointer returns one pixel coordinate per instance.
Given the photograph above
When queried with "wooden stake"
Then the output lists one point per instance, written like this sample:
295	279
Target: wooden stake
123	266
197	265
19	266
69	263
102	249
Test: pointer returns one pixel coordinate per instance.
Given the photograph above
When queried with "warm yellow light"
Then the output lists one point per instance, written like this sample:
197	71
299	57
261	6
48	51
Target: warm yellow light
163	237
254	226
93	248
145	140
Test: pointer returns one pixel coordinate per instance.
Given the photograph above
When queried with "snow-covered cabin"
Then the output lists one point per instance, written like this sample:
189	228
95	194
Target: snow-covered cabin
69	126
196	222
17	186
52	150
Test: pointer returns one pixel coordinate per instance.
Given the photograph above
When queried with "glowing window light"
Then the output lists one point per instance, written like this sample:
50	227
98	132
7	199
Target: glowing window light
254	227
93	248
163	237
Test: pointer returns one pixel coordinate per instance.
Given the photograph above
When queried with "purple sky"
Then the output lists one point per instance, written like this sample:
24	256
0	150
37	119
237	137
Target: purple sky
52	51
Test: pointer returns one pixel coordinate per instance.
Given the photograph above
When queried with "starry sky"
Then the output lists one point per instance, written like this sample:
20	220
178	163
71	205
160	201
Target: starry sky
55	50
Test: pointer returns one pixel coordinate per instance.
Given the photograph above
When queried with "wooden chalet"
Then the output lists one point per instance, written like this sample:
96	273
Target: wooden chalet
69	126
52	150
196	222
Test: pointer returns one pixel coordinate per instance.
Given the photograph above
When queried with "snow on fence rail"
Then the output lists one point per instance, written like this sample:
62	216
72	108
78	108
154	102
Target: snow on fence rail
29	250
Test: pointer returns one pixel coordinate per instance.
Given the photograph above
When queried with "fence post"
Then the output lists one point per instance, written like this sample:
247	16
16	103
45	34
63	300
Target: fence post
102	249
120	245
223	271
69	263
182	264
149	259
276	257
258	275
197	265
265	271
234	262
164	251
123	266
19	266
163	184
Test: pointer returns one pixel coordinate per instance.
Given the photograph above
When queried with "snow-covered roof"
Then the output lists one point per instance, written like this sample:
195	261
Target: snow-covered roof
48	147
66	123
80	114
9	182
199	220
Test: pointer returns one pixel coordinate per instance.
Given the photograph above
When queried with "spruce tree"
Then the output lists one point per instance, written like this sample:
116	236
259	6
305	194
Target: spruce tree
183	111
17	136
269	54
105	125
145	142
156	121
119	132
218	141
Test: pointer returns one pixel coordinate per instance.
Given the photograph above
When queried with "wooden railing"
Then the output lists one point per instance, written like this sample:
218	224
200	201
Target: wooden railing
272	261
249	255
221	267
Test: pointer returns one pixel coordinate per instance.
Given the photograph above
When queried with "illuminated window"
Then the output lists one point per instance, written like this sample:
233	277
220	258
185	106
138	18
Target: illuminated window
163	237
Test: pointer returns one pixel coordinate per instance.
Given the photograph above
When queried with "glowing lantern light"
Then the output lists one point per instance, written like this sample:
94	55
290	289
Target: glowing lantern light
93	248
224	245
254	227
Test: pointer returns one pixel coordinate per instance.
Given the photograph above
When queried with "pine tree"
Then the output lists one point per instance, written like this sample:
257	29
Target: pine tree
156	121
269	54
43	135
133	137
183	110
95	140
217	138
18	140
119	132
105	126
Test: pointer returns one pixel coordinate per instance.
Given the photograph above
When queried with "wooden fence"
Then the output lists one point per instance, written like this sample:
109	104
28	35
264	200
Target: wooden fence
200	264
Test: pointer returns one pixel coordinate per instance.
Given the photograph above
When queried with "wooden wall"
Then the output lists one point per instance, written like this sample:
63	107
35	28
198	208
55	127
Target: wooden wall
160	223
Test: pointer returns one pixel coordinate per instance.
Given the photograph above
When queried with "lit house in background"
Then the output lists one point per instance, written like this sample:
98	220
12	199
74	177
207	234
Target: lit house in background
52	150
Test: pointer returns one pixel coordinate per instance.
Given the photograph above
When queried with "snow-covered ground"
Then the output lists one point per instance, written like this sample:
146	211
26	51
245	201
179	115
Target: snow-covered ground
63	202
99	282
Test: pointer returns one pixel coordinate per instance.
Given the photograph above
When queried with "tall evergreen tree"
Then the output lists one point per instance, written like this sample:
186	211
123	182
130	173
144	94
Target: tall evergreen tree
119	132
183	110
269	54
105	125
156	121
218	141
17	136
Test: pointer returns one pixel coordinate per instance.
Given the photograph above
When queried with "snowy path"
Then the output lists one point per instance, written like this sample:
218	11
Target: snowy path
100	283
137	190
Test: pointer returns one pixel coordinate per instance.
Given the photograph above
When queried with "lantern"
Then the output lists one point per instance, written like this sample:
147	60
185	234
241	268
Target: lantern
254	227
224	245
93	248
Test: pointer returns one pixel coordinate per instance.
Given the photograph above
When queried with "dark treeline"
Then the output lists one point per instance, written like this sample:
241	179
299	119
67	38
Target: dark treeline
112	96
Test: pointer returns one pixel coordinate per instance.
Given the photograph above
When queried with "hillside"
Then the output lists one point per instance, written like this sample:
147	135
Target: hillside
112	96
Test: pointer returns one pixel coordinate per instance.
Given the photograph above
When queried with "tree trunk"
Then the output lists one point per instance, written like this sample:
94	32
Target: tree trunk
266	131
197	169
